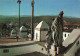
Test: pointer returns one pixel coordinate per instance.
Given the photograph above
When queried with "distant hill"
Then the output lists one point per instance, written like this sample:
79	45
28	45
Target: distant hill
37	19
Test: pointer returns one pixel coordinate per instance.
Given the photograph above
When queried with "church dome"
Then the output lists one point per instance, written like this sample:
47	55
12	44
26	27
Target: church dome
23	28
42	25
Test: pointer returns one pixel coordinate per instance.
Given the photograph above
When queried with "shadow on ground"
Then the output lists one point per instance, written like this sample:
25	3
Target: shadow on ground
33	54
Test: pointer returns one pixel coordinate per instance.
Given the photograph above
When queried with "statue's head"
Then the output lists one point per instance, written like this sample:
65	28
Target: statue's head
61	13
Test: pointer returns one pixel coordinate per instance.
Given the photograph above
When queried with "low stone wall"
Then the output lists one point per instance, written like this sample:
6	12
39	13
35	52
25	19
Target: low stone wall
20	48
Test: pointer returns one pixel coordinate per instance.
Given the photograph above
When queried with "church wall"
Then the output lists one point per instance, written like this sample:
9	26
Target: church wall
65	35
37	35
73	49
23	35
43	35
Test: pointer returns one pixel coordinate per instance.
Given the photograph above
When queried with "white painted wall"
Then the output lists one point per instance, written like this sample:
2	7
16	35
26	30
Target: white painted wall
23	50
40	35
73	49
67	34
37	38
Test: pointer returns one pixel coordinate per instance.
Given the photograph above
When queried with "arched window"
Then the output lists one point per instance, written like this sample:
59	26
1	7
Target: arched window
36	35
68	34
65	35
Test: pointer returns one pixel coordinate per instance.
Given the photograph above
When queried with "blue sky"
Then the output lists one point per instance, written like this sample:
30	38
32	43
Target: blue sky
41	7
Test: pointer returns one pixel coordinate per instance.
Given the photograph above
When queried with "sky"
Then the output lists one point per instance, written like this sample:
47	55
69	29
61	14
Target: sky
71	8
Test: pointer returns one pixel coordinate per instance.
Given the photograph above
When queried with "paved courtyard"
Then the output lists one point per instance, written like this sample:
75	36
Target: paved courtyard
11	40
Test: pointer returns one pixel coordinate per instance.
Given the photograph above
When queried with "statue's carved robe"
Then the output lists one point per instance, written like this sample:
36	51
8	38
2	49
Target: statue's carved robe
57	28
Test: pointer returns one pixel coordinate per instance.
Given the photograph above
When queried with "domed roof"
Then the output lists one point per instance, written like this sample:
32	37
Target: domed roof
42	25
22	28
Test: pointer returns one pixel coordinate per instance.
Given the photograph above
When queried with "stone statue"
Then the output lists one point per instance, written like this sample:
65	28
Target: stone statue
55	32
57	29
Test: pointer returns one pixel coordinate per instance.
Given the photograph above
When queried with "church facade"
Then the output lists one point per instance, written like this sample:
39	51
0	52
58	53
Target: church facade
41	31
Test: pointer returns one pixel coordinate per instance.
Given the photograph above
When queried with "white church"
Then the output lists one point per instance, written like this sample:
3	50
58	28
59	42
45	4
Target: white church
41	31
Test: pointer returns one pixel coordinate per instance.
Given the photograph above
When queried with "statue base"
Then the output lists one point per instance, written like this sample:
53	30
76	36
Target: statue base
58	50
54	50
